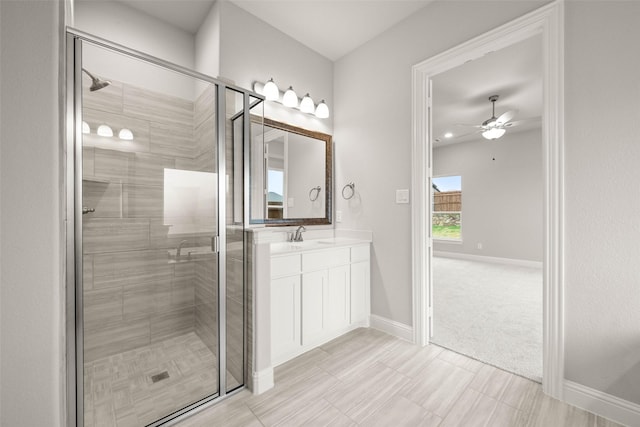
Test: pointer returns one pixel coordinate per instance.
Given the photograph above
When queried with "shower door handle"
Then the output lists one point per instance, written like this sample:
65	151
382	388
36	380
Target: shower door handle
86	210
215	244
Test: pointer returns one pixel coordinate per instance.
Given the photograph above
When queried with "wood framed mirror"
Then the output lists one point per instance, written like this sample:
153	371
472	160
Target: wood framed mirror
297	177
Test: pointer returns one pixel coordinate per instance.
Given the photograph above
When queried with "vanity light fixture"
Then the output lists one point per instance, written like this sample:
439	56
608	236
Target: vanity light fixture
322	111
85	127
104	130
307	105
125	134
290	99
271	91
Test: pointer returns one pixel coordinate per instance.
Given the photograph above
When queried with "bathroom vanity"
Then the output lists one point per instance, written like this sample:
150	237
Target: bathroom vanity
319	290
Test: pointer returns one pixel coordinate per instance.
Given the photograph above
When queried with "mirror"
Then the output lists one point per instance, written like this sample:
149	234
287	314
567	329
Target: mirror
297	179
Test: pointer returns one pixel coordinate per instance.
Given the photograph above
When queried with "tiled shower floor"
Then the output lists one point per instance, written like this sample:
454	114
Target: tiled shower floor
120	389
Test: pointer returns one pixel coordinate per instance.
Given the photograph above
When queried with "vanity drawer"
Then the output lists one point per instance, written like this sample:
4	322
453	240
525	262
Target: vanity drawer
360	253
325	259
285	265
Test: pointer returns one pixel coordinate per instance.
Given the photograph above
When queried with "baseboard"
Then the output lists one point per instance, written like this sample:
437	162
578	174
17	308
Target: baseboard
491	259
603	404
262	380
397	329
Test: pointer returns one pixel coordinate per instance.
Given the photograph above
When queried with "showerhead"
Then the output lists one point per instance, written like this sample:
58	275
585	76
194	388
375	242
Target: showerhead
96	83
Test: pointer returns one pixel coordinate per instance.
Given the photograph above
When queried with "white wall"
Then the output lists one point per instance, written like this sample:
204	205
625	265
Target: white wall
129	27
602	197
207	43
31	326
252	50
602	95
373	133
125	25
501	198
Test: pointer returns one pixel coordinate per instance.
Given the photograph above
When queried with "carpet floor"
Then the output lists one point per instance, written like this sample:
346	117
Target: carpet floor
490	312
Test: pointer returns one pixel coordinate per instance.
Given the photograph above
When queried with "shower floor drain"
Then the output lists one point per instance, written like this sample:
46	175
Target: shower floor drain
159	377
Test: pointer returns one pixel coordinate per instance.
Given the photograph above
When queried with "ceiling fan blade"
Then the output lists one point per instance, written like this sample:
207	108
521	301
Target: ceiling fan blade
505	117
524	122
467	125
475	132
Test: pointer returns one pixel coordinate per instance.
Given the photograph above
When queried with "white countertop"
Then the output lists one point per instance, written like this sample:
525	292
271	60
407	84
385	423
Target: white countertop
284	248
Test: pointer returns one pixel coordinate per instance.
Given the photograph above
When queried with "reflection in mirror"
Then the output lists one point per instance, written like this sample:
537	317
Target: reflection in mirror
297	180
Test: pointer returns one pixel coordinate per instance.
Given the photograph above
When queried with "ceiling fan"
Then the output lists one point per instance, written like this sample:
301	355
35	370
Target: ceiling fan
494	127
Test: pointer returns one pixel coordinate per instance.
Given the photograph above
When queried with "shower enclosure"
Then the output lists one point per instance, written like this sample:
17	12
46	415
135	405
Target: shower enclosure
156	207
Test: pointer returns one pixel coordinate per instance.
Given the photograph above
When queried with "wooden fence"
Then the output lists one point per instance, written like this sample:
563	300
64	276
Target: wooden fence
447	201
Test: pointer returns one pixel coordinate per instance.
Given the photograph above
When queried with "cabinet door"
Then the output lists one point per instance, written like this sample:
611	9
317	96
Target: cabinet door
359	291
314	295
337	307
285	315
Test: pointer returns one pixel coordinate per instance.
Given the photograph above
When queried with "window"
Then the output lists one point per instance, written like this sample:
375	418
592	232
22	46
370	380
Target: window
275	194
446	220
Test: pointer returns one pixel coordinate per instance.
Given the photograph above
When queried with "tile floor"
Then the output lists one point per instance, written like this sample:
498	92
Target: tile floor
120	391
369	378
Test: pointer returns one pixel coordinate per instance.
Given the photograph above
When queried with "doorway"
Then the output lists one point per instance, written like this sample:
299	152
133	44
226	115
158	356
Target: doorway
156	251
548	22
487	208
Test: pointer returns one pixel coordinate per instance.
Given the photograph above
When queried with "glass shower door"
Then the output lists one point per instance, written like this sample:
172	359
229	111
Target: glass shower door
150	230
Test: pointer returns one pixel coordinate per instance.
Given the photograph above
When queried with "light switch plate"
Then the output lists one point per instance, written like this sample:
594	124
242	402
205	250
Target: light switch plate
338	216
402	196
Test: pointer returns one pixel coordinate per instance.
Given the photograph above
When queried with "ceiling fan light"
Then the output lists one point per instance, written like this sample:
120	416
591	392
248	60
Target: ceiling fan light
271	91
493	133
290	98
307	105
322	110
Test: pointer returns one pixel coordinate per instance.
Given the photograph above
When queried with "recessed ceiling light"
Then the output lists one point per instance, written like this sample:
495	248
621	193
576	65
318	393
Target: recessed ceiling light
448	135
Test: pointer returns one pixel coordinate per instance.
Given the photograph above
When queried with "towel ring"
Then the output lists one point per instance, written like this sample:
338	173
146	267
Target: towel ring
317	193
350	190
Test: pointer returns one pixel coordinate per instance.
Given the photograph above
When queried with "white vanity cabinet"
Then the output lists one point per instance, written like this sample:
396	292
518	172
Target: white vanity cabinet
317	295
360	279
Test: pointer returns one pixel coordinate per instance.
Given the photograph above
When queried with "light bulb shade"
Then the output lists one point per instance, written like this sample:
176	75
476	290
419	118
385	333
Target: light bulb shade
125	134
104	130
271	91
322	111
493	133
307	105
85	127
290	98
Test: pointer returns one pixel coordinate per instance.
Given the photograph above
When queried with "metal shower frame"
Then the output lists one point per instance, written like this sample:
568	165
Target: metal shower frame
72	161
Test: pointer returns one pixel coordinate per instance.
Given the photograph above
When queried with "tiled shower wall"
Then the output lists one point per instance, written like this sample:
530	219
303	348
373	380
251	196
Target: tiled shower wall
206	295
133	295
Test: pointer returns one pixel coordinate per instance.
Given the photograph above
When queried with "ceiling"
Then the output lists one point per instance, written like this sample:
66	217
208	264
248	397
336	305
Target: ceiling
460	95
332	28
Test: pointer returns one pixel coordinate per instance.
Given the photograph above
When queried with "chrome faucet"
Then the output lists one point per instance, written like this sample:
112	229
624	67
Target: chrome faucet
297	237
179	248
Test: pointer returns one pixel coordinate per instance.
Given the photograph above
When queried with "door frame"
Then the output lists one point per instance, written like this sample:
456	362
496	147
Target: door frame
547	21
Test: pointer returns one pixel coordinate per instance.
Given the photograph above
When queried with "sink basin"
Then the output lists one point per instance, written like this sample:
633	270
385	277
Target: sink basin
283	247
292	246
